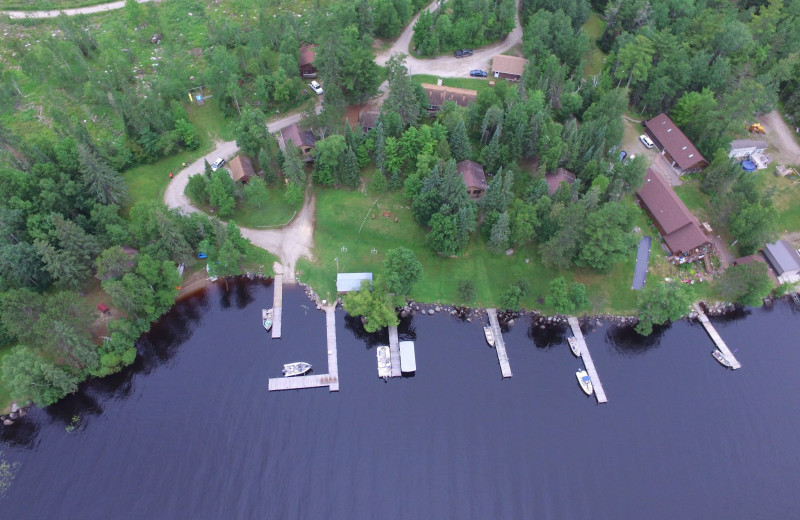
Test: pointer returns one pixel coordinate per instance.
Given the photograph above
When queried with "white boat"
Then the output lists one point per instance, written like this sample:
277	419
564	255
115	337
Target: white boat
266	318
296	369
487	331
585	381
719	356
384	362
573	346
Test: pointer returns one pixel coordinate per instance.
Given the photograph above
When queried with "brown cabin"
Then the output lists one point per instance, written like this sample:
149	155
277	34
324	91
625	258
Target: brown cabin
303	139
308	53
241	168
508	67
438	94
673	144
474	177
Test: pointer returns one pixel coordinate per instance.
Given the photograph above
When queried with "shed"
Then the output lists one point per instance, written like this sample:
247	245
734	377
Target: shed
308	53
241	168
346	282
508	67
474	177
673	144
554	180
784	260
102	307
408	360
368	119
438	94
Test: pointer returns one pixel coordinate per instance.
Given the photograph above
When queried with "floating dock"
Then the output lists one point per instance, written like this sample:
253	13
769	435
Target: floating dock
331	379
394	350
716	337
499	344
277	305
599	393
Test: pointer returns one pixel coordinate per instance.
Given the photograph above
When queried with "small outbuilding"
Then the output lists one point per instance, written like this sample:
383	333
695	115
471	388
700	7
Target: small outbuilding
347	282
474	177
368	119
784	260
303	139
308	53
241	168
508	67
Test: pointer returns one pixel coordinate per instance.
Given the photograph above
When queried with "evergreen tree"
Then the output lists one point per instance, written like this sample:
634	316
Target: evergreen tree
500	234
458	139
256	191
104	183
349	172
293	168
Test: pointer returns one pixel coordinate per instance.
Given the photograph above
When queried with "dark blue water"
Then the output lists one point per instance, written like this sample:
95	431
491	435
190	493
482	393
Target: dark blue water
191	431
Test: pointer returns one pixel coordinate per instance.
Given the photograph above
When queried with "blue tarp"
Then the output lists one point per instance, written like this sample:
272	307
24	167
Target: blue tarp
749	166
642	259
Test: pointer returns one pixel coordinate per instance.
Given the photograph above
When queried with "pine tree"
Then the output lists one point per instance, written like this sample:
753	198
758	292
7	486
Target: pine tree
380	146
267	167
104	183
349	173
458	139
500	234
293	166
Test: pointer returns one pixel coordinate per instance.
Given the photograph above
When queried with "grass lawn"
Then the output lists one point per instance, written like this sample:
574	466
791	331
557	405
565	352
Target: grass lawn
594	27
470	83
786	196
44	5
260	260
347	234
274	213
697	201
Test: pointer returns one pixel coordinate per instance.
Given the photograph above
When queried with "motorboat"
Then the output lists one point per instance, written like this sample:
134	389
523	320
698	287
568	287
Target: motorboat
719	356
296	369
266	318
573	346
487	331
585	381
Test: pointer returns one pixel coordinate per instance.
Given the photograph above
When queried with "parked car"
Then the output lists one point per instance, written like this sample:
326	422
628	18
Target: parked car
316	87
646	141
622	155
478	73
217	164
463	53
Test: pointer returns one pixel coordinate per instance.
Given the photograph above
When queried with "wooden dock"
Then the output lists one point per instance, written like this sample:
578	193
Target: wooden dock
716	337
331	379
599	393
277	305
499	344
394	350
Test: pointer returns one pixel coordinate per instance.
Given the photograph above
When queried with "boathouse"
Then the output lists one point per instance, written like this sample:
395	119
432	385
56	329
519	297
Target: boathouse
784	260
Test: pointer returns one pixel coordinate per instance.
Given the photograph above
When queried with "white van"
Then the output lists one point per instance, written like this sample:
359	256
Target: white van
216	165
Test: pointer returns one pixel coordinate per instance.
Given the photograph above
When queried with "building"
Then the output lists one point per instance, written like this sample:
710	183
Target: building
754	151
303	139
508	67
438	94
554	180
784	260
241	168
474	177
676	148
368	119
678	226
308	53
346	282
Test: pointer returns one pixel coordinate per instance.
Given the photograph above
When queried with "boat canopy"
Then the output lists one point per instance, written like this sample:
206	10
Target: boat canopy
408	361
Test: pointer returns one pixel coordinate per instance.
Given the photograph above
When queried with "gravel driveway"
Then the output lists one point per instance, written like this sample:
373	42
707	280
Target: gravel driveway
781	137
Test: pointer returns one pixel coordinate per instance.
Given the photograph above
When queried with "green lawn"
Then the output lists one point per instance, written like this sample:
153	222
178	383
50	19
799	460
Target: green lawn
44	5
786	196
594	27
470	83
347	234
274	213
697	201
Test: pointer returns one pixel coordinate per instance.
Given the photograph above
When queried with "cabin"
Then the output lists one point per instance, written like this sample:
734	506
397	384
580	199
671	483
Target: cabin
347	282
308	53
241	168
368	119
474	177
303	139
554	179
438	94
510	68
750	149
784	260
679	228
673	144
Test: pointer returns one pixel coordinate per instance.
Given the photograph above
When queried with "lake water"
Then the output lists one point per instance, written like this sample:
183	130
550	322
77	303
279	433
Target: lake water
190	432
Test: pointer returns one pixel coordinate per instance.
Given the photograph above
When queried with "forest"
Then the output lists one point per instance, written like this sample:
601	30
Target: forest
84	99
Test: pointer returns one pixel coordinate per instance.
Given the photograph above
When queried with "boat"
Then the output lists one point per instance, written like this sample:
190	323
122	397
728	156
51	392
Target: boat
266	318
585	381
384	362
487	331
719	356
296	369
573	346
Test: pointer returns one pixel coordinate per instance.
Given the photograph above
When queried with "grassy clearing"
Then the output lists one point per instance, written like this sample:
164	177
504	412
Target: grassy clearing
260	260
594	27
697	201
5	392
786	196
45	5
272	214
470	83
345	220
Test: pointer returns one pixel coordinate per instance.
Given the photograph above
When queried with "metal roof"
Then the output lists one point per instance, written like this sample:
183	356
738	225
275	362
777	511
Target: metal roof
408	361
782	257
346	282
677	144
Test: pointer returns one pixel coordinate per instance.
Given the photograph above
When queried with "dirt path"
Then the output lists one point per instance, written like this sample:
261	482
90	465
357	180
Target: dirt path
450	66
69	12
784	148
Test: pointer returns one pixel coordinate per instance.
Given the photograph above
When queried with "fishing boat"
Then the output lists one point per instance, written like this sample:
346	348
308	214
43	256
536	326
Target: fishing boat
585	381
266	318
719	356
573	346
487	331
384	362
296	369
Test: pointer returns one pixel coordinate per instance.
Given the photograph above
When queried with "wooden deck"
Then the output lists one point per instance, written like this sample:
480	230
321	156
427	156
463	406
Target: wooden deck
599	393
499	344
716	337
394	350
277	306
331	379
